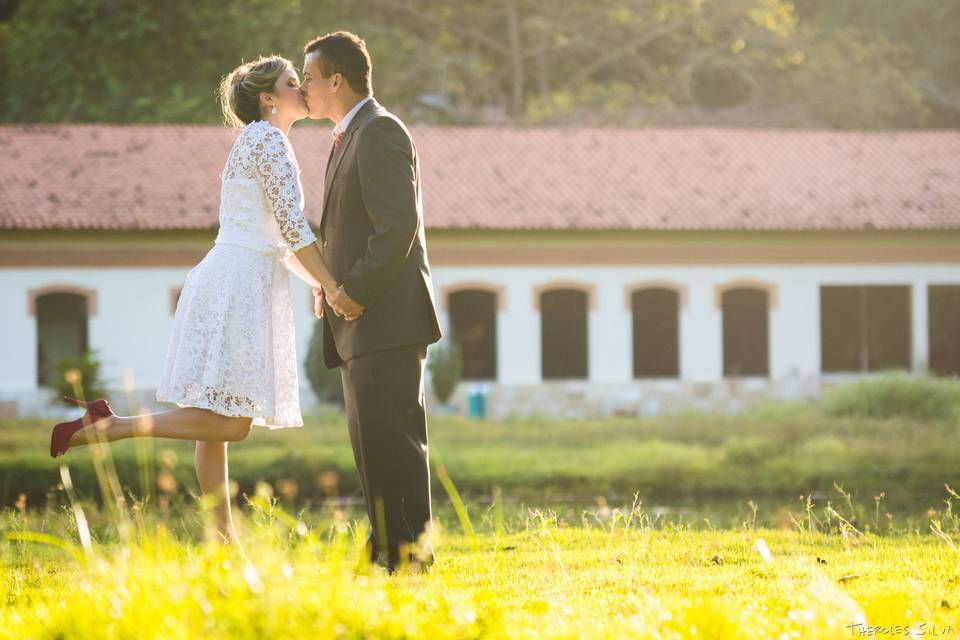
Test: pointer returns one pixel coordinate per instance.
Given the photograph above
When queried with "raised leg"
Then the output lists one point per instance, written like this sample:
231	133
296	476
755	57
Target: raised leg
212	432
186	423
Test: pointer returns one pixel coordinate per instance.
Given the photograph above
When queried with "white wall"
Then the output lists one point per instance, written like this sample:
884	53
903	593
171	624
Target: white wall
131	327
794	325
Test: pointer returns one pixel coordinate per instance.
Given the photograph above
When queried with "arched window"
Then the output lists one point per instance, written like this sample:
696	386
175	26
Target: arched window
62	314
745	331
473	323
563	327
656	336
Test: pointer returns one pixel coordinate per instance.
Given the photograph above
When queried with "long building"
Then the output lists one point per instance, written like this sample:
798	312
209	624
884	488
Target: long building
583	271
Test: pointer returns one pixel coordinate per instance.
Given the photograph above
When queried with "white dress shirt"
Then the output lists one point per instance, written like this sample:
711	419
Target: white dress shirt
343	124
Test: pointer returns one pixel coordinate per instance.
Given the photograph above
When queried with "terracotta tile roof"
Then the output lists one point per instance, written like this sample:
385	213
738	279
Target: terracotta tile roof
167	177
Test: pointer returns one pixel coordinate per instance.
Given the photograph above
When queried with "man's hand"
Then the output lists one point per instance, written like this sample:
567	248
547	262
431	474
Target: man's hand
343	305
318	299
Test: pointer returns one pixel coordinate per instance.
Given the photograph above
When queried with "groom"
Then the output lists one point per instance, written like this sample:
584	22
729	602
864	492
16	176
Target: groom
379	321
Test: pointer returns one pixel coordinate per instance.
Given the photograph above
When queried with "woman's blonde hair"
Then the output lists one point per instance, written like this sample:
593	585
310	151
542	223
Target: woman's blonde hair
240	89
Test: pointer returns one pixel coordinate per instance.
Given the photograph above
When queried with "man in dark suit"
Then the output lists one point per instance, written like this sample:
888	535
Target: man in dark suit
379	321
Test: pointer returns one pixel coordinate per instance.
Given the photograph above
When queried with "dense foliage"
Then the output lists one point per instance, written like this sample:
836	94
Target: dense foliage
812	63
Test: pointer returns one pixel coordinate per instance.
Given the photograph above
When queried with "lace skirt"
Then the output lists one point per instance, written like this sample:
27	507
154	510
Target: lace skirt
232	349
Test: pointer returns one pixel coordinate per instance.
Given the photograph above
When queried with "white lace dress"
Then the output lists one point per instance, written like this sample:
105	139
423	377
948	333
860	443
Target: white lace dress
232	349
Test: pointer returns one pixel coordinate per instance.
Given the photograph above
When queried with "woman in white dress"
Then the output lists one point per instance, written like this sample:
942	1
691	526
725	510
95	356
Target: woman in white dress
231	361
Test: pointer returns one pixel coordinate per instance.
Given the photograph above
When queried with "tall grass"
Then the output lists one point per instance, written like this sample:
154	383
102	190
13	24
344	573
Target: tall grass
143	561
619	572
774	452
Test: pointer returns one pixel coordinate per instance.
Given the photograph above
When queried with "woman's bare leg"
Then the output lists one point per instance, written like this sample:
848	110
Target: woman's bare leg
214	479
212	432
185	423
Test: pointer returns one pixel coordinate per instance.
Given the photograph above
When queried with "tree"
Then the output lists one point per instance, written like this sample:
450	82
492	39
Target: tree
78	377
813	63
446	368
325	383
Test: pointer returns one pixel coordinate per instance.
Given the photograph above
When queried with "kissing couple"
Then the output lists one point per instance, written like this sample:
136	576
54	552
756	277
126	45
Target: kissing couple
231	361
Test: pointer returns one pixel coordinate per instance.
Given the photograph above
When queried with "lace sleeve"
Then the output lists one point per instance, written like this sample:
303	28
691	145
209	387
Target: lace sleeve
280	177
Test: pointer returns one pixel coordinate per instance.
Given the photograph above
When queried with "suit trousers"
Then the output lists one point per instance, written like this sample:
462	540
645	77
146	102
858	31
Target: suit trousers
386	417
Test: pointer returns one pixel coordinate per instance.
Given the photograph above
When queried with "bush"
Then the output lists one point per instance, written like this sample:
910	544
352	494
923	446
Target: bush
895	395
750	450
663	458
325	383
446	368
78	377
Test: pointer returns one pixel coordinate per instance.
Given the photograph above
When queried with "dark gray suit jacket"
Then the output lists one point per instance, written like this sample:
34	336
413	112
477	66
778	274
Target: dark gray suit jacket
372	239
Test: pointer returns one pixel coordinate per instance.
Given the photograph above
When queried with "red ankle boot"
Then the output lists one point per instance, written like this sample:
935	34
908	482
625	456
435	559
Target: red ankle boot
97	409
60	437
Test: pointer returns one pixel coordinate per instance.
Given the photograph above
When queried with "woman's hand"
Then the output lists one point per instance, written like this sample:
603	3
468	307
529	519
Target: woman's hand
318	302
318	299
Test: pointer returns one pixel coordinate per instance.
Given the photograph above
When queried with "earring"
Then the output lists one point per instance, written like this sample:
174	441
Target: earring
274	110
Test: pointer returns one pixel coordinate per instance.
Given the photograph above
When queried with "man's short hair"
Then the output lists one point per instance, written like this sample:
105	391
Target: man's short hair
344	53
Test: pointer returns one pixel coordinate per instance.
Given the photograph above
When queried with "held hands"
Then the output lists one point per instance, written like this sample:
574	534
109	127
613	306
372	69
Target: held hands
343	305
339	301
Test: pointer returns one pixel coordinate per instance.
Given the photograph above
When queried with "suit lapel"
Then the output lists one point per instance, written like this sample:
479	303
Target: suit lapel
336	155
326	175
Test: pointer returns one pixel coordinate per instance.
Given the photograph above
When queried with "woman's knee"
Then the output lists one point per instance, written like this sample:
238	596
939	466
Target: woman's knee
236	429
210	448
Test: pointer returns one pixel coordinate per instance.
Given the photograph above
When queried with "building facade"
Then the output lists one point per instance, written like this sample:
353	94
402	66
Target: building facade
582	272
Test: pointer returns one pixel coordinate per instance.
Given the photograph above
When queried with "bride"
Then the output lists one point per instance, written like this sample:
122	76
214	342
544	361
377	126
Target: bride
231	361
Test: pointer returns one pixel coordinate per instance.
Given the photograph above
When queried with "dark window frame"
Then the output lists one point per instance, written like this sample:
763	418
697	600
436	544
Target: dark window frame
656	332
480	357
943	329
743	354
865	328
81	302
564	314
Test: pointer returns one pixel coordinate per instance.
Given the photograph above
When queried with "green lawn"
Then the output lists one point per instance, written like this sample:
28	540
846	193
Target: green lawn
772	456
617	577
840	525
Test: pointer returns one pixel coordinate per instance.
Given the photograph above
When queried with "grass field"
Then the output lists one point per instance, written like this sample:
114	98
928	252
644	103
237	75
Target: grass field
708	464
615	575
837	526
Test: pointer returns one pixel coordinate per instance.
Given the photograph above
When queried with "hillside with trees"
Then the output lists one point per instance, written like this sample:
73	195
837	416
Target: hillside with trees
856	64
